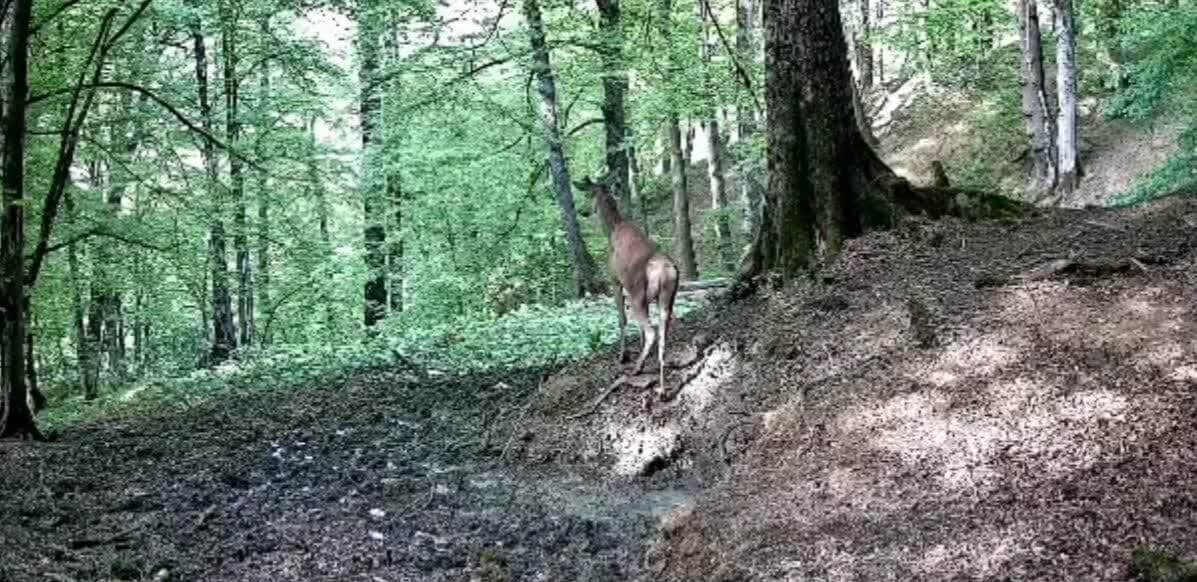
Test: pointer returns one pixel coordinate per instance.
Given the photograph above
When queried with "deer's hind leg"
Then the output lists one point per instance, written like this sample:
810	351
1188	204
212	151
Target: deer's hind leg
640	313
623	323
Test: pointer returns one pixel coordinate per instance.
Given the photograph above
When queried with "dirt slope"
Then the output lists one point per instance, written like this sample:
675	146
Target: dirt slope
1045	431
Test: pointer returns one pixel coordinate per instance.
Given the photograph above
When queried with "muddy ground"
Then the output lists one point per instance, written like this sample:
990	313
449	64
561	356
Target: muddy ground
949	401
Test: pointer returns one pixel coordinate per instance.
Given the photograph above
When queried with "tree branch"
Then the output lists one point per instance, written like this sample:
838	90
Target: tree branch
584	125
743	74
191	126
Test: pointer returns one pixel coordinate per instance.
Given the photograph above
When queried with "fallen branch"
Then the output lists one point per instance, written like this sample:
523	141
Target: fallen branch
641	382
118	537
1064	268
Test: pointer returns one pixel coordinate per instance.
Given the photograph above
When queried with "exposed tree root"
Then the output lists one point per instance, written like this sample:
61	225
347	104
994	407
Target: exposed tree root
1072	268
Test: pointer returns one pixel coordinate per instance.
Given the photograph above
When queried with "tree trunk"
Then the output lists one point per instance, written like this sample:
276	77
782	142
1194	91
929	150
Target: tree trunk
880	69
373	180
864	49
1037	117
585	278
263	282
715	170
322	213
394	175
224	333
683	243
746	47
230	15
84	350
1067	140
615	86
16	418
822	173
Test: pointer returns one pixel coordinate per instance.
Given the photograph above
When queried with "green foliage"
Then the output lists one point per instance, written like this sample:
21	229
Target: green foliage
1162	78
953	40
532	336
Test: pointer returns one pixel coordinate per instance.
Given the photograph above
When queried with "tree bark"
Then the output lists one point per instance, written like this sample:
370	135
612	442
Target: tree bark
317	191
373	181
683	243
746	47
230	15
394	176
84	350
822	173
615	87
715	163
16	417
864	49
1067	139
263	280
1037	117
224	332
585	277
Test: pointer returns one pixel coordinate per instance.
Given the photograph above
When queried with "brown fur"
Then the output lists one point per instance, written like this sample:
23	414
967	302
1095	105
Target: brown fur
640	268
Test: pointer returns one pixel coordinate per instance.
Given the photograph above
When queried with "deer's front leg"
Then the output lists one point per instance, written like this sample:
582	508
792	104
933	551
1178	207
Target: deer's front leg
623	323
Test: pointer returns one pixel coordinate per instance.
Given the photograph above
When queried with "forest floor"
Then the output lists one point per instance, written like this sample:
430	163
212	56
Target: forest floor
950	401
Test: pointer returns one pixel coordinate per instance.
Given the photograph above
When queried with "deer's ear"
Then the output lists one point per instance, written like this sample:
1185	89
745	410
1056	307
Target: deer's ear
584	184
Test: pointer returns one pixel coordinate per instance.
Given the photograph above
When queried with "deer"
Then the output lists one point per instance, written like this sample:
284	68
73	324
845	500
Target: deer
638	266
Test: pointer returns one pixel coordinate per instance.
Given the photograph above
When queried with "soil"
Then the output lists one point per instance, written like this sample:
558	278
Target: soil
936	406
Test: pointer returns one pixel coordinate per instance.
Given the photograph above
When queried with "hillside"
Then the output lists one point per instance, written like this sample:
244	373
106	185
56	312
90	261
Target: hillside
921	413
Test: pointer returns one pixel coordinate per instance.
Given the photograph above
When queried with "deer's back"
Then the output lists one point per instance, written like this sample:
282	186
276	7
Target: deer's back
630	254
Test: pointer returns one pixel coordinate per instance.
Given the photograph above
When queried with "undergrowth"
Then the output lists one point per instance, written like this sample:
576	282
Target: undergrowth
532	336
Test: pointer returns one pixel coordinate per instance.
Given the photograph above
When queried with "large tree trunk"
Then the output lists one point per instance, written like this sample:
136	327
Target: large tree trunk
822	173
683	243
373	180
230	15
585	279
615	86
1067	140
16	417
746	47
1040	125
224	332
715	164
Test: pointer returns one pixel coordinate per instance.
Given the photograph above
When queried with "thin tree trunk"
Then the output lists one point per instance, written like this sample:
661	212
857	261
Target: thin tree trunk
864	49
224	332
1037	117
750	188
715	171
263	282
16	418
881	53
317	190
394	176
615	87
1067	139
683	242
373	180
230	15
84	352
585	275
